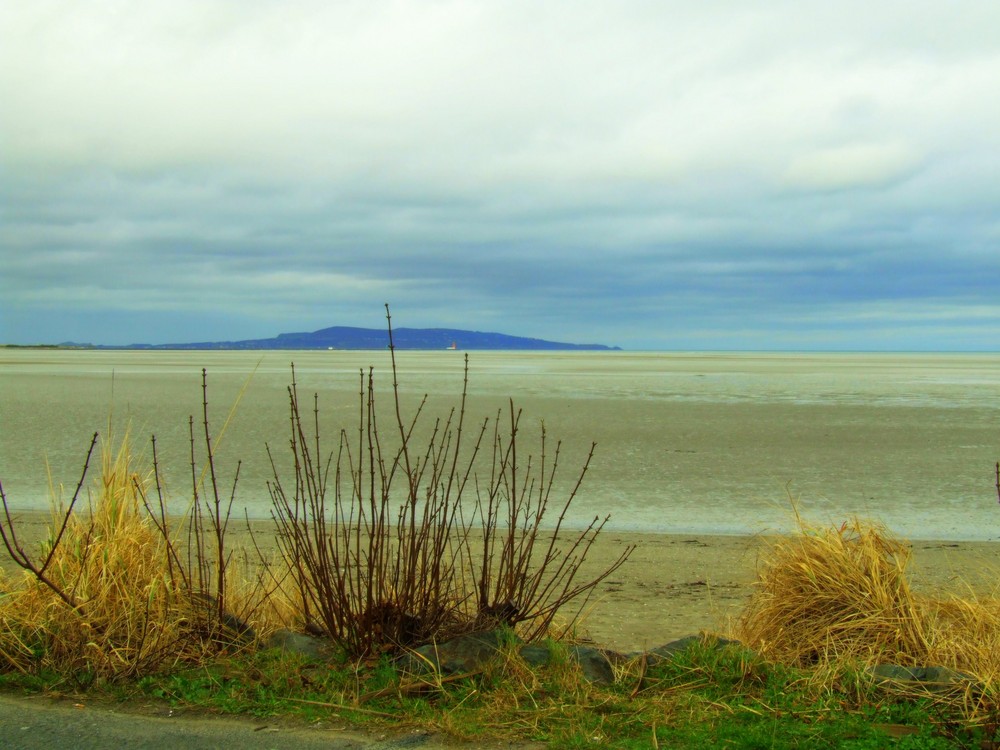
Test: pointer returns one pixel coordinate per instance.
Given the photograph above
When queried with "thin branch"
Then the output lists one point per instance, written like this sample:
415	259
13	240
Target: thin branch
22	559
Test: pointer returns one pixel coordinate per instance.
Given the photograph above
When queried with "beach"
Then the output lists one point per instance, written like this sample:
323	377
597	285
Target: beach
672	585
677	585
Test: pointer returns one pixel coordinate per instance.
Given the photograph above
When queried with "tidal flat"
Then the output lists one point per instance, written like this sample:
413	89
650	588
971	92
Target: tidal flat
686	443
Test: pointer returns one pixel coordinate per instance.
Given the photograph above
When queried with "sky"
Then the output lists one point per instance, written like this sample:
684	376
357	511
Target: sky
652	175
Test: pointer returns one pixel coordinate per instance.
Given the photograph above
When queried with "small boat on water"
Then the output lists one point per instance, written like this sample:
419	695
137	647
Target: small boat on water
454	345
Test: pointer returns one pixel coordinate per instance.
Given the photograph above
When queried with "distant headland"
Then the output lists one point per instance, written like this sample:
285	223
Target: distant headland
345	337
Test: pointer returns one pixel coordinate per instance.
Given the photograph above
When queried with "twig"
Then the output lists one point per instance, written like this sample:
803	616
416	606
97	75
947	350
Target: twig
22	558
417	686
342	707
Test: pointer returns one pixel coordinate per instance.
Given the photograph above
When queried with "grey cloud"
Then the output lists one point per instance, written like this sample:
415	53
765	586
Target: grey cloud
650	174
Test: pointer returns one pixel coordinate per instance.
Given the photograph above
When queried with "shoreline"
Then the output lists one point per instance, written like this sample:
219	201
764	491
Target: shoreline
677	584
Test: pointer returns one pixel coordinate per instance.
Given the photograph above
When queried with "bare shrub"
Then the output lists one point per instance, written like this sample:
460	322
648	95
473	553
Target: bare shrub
392	544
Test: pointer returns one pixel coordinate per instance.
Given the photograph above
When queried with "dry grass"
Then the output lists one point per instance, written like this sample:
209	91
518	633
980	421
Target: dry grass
839	593
840	597
964	631
108	603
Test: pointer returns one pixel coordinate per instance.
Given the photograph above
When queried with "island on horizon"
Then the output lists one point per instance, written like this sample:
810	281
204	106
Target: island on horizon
346	337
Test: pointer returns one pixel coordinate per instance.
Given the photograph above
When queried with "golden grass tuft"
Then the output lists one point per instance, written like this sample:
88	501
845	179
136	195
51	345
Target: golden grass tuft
832	594
964	633
839	596
123	612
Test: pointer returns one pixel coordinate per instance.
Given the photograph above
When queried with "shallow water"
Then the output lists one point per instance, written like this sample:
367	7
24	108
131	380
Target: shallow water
699	443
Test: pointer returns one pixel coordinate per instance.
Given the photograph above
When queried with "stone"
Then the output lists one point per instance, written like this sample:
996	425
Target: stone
669	650
933	679
466	653
535	654
237	629
595	663
291	642
471	653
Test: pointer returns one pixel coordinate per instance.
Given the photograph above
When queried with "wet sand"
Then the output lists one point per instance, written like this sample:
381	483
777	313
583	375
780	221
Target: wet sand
701	443
675	585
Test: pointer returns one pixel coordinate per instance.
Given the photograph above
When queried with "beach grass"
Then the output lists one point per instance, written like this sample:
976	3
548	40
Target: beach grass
98	600
837	599
704	697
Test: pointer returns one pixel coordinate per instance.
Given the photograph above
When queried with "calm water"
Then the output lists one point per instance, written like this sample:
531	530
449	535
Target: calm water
685	442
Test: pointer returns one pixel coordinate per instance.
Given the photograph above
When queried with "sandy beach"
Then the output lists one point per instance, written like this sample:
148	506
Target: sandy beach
674	585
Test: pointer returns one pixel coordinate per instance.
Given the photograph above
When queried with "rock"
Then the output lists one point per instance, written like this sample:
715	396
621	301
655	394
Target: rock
535	654
234	630
466	653
291	642
471	653
933	679
670	650
595	663
238	630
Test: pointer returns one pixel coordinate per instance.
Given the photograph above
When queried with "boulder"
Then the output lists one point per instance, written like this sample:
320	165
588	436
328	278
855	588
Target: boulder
466	653
930	678
535	654
596	664
669	650
471	653
291	642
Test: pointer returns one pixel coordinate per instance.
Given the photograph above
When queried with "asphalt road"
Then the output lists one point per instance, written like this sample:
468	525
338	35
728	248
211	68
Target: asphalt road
41	723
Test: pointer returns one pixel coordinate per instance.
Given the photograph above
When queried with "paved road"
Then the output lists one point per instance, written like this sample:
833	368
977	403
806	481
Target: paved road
39	723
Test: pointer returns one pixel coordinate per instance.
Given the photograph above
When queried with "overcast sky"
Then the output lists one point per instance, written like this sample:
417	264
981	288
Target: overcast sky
652	175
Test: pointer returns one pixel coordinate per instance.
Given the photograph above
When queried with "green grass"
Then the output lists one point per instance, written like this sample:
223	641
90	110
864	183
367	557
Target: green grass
704	698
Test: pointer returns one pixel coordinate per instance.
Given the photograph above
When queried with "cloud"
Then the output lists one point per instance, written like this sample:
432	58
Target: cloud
859	165
645	174
506	91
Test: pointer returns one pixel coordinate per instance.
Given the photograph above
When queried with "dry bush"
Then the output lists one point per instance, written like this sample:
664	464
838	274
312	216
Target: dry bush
394	544
842	593
98	599
964	634
236	587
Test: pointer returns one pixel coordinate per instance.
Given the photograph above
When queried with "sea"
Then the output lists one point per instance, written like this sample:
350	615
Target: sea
683	442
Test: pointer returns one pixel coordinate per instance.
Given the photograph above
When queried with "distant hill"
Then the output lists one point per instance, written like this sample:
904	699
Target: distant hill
344	337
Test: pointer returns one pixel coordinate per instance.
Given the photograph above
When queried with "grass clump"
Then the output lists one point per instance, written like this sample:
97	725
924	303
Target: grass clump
98	599
836	594
839	600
